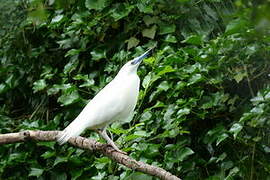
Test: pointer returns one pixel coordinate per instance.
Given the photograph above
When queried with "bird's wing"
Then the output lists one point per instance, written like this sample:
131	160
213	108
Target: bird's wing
97	113
105	106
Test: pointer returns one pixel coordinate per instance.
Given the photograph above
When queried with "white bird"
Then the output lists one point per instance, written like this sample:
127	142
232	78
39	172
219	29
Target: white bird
116	101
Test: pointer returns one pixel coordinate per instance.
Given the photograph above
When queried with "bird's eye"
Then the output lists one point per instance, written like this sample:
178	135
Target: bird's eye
132	63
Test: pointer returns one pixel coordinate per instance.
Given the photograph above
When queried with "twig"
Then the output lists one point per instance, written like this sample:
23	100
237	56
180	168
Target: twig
92	145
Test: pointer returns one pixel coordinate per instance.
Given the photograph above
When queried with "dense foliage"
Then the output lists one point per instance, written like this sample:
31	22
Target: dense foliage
204	105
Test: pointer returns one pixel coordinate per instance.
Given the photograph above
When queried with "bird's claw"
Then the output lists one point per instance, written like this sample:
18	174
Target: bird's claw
117	149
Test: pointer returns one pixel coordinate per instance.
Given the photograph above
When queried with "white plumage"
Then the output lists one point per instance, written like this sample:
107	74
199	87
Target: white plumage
116	101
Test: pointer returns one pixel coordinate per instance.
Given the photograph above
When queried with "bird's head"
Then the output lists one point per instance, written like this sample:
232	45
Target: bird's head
132	65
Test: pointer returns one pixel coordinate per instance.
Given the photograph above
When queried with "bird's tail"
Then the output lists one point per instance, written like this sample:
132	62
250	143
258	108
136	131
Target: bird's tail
74	129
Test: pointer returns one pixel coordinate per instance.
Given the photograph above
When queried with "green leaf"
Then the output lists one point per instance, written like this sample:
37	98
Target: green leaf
240	76
267	96
132	42
235	129
164	86
182	112
170	38
141	133
47	144
96	4
98	54
71	65
150	33
3	88
257	99
121	10
57	18
12	81
59	160
145	7
183	1
57	87
166	69
36	172
88	81
76	173
148	20
193	39
150	60
195	79
118	131
138	176
184	153
39	85
233	172
69	98
149	79
236	26
73	52
166	28
48	154
221	138
131	137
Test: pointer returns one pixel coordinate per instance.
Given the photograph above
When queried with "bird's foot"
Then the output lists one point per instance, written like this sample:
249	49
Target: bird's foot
116	148
110	142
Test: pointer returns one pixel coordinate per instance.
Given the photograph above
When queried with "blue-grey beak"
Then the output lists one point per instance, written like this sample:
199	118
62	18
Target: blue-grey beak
139	59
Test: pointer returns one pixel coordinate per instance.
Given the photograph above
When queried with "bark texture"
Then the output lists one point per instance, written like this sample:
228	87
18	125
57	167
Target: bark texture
92	145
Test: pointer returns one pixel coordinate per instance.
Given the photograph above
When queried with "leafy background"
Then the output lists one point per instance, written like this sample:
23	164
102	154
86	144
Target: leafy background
204	105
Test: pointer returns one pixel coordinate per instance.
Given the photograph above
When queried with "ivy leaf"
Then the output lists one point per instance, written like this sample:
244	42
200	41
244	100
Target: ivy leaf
150	33
139	175
132	42
39	85
57	18
149	60
3	88
165	70
71	65
240	76
72	52
221	138
184	153
36	172
149	79
48	154
193	39
235	26
59	160
148	20
121	10
96	4
195	79
144	7
170	38
184	111
235	129
164	85
166	28
69	97
98	54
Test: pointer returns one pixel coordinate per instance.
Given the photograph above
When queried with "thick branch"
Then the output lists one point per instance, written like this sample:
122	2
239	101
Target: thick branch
92	145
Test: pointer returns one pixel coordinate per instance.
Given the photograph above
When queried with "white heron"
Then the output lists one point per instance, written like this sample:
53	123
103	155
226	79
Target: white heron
116	101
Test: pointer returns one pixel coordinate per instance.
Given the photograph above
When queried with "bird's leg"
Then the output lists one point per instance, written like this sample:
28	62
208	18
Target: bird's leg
104	134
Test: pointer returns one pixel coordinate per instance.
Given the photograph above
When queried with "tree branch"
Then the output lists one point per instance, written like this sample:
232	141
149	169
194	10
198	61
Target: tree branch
92	145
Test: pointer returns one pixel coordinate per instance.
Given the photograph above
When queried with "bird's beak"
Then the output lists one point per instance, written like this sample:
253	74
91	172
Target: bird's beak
139	59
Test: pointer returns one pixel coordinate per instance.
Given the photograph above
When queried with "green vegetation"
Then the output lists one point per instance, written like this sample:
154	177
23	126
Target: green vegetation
204	107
